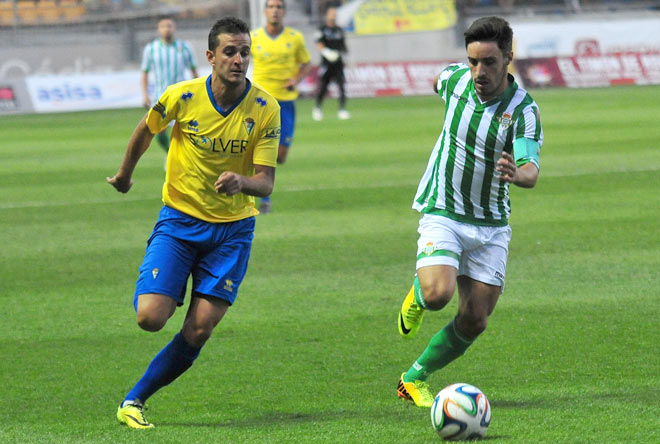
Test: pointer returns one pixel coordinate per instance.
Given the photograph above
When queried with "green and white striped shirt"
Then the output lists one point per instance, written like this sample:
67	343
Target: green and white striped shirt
167	63
460	181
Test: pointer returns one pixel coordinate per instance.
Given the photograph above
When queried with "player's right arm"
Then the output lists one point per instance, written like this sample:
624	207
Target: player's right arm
137	145
146	66
146	101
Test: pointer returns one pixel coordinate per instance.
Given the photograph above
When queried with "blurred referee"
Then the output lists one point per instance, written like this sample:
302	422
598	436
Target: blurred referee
331	44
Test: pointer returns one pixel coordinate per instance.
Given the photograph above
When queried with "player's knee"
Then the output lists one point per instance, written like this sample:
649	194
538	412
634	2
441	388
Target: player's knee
197	335
437	296
471	325
149	322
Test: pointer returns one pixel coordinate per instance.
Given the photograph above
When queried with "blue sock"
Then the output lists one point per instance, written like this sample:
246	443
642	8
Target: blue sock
265	199
169	364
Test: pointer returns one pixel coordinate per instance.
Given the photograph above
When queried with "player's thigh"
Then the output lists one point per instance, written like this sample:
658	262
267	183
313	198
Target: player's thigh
220	271
439	250
486	261
438	283
287	122
168	260
153	310
477	299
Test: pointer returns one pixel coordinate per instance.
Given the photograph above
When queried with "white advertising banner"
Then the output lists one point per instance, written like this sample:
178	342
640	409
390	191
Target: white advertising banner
80	92
561	38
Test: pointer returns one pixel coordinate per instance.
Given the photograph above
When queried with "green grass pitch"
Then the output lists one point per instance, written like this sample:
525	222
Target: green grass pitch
310	352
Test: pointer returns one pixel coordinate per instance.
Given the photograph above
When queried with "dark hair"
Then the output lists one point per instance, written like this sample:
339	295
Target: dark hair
165	17
490	29
283	4
226	25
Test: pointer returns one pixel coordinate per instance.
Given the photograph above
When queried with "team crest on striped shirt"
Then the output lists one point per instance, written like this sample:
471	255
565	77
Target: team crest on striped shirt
248	123
505	121
429	249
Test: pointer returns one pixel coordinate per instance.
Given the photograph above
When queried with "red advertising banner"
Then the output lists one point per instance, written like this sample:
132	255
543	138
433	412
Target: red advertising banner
591	70
388	79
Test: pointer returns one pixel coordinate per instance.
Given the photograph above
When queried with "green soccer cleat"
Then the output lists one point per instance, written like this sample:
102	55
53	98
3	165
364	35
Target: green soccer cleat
410	316
417	392
131	414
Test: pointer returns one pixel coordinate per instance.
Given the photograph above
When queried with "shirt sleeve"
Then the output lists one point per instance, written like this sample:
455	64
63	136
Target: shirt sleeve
191	60
265	150
528	124
163	112
444	77
318	36
302	55
146	58
528	136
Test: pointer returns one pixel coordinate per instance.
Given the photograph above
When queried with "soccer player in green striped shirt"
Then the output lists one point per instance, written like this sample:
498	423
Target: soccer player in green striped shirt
167	59
491	138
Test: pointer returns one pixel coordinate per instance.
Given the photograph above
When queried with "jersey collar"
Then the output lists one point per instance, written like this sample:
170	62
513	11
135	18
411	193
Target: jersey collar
508	93
217	107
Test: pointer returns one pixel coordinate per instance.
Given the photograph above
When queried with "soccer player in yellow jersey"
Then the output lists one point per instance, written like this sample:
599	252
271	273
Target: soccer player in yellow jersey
223	153
281	61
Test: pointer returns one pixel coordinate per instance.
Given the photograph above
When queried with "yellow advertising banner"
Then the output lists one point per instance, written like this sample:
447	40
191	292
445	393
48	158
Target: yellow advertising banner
392	16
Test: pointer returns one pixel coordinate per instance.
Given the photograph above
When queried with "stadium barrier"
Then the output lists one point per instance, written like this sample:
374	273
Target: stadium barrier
79	92
582	53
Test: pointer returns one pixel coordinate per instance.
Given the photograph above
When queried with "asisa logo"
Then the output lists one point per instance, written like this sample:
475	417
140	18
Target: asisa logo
186	96
261	101
67	92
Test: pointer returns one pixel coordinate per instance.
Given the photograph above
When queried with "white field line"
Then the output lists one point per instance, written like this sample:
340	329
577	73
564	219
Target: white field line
129	198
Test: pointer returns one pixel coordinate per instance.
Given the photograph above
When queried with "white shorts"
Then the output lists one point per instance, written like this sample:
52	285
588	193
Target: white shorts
475	251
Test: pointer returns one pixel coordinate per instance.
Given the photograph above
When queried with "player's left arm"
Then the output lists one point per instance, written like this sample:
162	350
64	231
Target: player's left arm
524	176
522	166
304	65
259	185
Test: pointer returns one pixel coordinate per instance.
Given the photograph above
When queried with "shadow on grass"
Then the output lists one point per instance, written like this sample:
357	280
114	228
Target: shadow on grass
279	418
650	395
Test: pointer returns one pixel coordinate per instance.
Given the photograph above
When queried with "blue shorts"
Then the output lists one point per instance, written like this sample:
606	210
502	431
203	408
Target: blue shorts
216	254
287	122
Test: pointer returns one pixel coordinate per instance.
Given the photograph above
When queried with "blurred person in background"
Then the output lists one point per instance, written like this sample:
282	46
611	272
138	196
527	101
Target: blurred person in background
281	62
167	59
331	44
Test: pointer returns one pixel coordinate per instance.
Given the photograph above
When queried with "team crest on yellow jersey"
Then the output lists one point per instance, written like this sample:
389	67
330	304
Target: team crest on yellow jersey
506	121
248	123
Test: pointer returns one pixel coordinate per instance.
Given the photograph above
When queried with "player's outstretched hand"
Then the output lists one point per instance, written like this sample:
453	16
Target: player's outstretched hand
122	185
506	167
229	183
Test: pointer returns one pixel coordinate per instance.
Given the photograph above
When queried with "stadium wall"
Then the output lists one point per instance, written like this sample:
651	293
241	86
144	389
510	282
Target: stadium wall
82	70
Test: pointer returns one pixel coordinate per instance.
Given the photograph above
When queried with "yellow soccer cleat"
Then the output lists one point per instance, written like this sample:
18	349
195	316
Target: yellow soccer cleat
417	392
133	417
410	316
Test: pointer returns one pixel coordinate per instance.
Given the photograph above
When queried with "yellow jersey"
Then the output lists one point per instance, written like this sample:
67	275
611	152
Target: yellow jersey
276	59
208	140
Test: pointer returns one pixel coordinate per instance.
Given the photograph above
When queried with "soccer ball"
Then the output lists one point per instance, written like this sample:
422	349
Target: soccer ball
460	412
